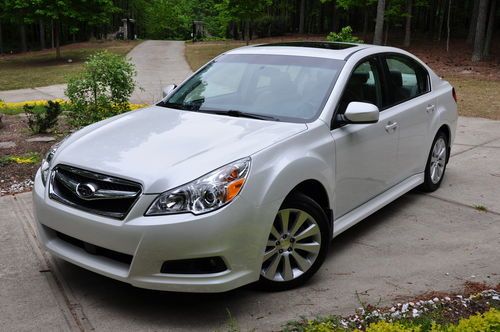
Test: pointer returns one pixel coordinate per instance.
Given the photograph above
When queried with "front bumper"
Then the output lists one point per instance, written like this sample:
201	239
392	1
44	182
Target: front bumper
237	233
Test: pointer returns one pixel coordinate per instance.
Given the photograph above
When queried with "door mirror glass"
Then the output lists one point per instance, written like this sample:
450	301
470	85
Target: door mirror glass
168	89
358	112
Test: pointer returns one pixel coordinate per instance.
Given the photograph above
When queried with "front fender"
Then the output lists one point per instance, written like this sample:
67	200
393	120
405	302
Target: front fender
276	171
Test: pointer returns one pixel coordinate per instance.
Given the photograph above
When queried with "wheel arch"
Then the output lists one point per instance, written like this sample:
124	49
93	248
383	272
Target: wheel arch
317	192
445	129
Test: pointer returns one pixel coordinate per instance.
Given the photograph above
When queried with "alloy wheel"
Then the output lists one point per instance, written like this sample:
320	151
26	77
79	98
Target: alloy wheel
292	247
438	160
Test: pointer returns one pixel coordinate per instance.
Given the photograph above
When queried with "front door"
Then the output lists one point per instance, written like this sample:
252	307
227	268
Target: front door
365	154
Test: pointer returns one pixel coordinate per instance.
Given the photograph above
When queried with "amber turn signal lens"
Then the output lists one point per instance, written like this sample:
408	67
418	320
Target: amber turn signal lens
234	188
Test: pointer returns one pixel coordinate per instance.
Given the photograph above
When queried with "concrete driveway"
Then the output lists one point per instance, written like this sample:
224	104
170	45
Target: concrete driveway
416	244
158	64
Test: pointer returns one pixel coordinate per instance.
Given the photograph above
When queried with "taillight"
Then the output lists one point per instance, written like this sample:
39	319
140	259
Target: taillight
454	95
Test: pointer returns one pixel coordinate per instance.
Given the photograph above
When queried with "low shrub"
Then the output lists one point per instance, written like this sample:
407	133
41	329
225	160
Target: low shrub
41	121
486	322
344	36
101	90
28	158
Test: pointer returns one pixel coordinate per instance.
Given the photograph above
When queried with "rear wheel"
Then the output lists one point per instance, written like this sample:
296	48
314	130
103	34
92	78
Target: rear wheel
297	244
436	163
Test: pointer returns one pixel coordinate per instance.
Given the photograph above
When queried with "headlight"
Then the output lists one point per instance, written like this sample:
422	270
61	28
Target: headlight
204	194
47	160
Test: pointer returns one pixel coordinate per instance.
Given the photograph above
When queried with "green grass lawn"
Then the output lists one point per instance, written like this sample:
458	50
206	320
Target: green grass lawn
41	68
197	54
476	97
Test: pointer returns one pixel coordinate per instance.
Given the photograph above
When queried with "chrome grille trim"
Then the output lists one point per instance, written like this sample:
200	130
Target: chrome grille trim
101	196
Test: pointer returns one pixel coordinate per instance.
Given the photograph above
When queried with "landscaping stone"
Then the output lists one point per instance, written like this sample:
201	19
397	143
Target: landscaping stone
7	145
42	139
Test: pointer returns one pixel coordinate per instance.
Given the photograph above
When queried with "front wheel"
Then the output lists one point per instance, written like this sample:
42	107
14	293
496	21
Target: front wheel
297	244
436	163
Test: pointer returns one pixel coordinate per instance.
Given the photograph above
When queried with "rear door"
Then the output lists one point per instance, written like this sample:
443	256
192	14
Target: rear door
409	96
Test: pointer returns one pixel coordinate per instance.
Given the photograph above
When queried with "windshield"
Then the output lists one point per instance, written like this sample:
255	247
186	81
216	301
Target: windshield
270	87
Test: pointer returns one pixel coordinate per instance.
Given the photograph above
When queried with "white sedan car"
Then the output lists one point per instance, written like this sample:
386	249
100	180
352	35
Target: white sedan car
246	171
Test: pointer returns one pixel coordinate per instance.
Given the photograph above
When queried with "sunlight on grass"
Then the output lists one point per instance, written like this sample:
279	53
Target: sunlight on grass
198	54
41	68
477	98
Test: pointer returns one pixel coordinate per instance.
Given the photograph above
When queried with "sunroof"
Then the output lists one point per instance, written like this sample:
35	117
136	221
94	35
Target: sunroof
324	45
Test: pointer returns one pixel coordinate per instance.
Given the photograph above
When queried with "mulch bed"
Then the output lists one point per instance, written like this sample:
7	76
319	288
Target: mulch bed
15	177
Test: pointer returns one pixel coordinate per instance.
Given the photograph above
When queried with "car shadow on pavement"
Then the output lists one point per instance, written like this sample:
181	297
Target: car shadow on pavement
121	304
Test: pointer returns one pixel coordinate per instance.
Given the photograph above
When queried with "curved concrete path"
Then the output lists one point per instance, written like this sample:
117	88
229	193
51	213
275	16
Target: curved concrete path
158	63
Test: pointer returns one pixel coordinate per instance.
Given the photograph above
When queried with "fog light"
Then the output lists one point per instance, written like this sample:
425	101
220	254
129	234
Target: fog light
194	266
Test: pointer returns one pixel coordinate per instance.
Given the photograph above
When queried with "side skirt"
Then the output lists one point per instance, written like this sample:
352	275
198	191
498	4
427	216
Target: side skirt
363	211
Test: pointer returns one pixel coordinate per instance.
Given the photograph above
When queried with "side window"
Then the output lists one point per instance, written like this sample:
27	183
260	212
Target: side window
363	86
407	79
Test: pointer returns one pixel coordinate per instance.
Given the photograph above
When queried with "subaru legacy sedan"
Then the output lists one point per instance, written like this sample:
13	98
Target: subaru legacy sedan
247	170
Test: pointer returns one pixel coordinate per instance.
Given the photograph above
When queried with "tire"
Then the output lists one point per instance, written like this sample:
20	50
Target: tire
436	163
295	252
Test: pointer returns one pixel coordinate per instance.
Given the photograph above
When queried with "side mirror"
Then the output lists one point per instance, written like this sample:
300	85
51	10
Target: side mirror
168	89
360	113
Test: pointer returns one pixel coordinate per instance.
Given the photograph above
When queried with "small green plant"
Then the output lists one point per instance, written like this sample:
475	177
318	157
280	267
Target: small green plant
101	90
344	36
41	121
232	323
28	158
481	208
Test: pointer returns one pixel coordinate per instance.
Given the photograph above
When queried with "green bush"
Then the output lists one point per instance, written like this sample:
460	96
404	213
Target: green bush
344	36
101	90
41	121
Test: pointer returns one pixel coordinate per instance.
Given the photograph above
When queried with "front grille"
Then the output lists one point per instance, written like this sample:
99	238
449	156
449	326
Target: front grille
93	192
96	250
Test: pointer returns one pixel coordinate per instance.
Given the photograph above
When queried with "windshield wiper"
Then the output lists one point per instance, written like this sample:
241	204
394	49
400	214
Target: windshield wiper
240	114
172	105
192	106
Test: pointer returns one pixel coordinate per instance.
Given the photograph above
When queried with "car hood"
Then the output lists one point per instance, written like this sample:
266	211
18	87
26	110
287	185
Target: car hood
163	148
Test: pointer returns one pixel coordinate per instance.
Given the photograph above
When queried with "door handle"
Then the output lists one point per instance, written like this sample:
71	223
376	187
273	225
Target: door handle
430	108
391	127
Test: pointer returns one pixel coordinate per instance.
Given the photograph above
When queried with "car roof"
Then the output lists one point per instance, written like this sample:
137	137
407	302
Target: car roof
331	50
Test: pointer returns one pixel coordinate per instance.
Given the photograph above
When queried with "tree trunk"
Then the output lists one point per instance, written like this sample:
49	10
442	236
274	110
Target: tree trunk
302	15
386	37
473	23
490	29
57	33
1	39
365	22
247	31
432	19
379	23
477	54
52	34
321	25
335	17
442	9
448	27
42	35
409	5
22	30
